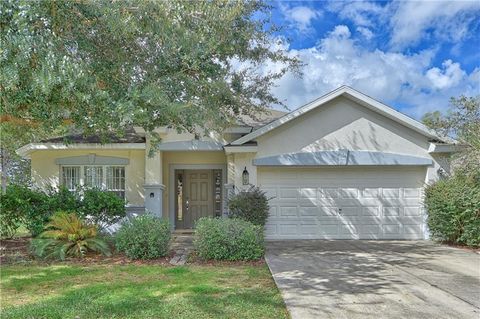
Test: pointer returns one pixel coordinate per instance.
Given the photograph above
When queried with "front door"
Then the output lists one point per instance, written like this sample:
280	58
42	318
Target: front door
196	197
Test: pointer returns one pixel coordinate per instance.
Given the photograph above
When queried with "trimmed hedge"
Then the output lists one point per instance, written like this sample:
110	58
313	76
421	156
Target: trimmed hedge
453	207
250	205
228	239
144	237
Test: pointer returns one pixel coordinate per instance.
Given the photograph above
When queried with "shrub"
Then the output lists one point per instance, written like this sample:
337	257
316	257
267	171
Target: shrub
62	199
21	204
12	215
144	237
67	235
34	208
250	205
228	239
453	207
101	207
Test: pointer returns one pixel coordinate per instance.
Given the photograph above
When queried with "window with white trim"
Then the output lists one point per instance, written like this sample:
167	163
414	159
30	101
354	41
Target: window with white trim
109	178
71	177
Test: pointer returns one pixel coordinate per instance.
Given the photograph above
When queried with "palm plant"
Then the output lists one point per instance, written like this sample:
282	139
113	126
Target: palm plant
67	235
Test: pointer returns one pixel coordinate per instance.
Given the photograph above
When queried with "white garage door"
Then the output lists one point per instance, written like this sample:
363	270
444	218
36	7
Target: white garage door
344	203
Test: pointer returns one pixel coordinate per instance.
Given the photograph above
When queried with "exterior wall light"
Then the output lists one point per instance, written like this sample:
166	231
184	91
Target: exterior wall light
245	177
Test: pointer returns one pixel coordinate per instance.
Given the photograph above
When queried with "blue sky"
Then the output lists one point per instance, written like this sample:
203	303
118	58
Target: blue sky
411	55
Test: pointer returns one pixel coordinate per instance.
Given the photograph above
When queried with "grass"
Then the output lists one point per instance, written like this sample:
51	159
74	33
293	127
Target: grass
139	291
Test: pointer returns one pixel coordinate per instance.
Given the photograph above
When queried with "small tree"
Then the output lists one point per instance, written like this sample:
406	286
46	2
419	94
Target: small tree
250	205
462	122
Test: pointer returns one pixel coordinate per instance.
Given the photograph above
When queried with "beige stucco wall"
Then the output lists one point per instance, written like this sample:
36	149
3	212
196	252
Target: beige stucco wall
45	172
196	158
344	124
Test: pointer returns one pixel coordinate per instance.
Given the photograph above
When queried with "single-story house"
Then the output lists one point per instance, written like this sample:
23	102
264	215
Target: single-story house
343	166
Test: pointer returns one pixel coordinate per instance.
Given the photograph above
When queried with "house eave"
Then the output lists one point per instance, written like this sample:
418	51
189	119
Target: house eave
26	150
342	158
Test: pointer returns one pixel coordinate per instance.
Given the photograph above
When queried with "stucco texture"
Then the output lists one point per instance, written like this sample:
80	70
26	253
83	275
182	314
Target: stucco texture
46	173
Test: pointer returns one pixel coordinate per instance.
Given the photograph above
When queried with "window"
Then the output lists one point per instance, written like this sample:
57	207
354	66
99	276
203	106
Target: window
116	180
109	178
71	177
93	176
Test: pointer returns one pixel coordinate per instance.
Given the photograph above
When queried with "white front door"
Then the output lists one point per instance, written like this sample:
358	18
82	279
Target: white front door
344	203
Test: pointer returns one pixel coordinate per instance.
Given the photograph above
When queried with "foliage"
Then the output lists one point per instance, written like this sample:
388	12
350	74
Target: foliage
453	206
12	214
250	205
67	235
21	204
29	207
102	65
101	207
144	237
228	239
461	122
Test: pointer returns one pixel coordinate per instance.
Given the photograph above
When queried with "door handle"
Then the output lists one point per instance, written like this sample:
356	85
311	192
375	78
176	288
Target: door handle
187	204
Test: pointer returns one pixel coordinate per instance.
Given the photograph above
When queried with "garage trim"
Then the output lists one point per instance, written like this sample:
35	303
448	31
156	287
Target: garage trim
342	158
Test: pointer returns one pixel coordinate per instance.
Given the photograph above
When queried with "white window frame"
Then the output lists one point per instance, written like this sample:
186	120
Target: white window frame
104	176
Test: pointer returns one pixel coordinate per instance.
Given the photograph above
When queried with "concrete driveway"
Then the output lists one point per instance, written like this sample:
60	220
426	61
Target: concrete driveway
375	279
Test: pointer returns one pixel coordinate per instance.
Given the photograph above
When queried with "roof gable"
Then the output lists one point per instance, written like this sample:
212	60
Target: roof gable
349	93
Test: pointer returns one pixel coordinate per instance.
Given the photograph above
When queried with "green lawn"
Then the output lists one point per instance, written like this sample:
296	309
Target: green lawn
139	291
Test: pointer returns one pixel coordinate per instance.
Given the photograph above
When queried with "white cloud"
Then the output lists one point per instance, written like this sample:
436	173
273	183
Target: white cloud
300	17
412	21
365	32
451	75
362	13
408	80
408	22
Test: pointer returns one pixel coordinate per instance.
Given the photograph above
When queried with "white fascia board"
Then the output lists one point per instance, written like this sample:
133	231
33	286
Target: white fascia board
444	148
26	150
349	93
240	149
238	129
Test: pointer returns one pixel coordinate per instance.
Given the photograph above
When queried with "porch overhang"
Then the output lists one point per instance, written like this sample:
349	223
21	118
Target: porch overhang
342	158
193	145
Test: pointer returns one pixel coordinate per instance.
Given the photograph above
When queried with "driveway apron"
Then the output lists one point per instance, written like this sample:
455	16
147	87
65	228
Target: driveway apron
368	279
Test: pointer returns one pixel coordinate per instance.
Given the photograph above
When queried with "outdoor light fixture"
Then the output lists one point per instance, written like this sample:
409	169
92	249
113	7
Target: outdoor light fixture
245	176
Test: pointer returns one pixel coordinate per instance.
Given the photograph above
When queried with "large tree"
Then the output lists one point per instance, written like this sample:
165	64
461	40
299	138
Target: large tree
461	122
99	66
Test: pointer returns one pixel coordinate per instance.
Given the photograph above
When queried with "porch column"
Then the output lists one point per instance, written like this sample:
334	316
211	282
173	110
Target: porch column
153	188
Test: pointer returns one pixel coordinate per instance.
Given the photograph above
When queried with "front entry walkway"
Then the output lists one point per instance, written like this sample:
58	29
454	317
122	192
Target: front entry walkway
182	246
375	279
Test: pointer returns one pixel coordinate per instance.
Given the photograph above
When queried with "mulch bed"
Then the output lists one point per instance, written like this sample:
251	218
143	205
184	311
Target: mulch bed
15	251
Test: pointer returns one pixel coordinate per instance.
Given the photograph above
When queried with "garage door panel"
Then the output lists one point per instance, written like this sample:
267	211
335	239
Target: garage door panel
325	211
288	212
287	193
272	213
308	211
370	211
349	210
348	193
288	229
344	203
328	192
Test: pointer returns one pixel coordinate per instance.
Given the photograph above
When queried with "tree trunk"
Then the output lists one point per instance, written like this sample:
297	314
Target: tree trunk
4	171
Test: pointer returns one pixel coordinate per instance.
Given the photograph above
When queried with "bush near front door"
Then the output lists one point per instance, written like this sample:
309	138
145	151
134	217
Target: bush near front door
228	239
250	205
